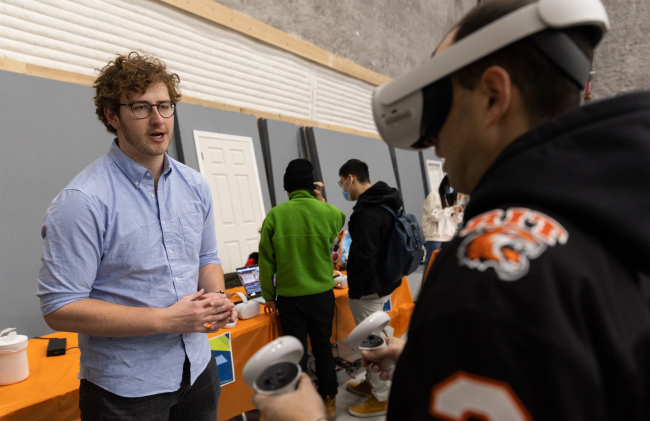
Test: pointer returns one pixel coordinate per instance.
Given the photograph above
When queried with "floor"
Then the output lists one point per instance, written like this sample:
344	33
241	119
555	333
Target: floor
346	399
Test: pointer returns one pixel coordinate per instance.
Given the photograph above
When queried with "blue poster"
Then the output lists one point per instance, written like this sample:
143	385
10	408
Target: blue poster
222	351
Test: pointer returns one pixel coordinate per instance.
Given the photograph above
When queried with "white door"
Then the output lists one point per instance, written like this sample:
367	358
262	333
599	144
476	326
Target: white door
436	175
228	164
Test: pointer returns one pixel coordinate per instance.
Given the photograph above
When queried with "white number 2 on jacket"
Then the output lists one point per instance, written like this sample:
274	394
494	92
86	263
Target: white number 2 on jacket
465	395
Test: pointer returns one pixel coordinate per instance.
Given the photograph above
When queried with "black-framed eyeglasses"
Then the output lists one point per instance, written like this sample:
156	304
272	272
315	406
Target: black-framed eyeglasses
143	109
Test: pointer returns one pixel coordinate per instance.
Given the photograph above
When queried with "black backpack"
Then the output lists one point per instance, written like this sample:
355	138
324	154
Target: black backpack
405	246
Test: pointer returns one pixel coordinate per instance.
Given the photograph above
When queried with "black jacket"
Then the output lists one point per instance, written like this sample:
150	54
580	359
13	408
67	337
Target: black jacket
370	228
546	303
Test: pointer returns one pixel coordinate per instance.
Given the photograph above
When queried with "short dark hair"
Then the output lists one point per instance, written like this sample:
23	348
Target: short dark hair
356	168
546	91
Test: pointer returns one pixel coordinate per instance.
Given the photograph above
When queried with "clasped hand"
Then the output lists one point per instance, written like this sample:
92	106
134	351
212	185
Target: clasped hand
200	312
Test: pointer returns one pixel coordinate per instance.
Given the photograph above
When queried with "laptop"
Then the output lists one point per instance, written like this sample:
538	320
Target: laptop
250	279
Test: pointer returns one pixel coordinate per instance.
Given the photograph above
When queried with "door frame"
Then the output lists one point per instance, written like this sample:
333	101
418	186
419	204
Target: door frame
442	172
218	136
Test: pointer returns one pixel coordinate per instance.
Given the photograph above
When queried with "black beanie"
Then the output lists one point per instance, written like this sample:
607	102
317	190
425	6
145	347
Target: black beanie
299	175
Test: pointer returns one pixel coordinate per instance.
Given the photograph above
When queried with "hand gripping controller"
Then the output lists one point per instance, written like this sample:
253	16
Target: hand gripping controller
274	369
364	338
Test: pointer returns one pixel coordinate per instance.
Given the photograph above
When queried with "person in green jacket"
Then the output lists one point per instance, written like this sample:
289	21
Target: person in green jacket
295	246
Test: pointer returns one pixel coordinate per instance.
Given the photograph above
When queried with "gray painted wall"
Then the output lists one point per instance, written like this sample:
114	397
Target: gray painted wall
284	141
195	117
391	37
388	37
410	176
335	148
623	59
49	134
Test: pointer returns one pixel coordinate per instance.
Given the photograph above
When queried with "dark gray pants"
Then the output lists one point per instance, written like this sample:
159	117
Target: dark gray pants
312	315
197	402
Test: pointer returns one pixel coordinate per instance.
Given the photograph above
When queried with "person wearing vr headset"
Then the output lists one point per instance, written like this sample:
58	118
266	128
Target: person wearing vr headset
539	308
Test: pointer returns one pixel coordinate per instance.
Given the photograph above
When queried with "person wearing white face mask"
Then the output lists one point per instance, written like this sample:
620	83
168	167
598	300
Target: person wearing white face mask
370	228
440	218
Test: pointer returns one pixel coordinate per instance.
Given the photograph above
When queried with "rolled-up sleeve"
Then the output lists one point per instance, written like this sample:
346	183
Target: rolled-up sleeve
73	236
209	250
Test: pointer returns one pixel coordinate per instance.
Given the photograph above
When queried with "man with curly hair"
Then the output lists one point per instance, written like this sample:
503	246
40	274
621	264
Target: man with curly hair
130	260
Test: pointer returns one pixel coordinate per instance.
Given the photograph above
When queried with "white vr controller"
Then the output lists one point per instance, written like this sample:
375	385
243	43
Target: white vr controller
365	337
247	309
275	369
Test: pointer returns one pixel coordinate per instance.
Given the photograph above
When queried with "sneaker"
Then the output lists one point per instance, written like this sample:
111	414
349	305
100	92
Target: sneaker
360	388
330	406
370	408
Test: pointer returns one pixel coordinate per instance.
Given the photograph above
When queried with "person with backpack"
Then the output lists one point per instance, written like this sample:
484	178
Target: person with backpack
370	227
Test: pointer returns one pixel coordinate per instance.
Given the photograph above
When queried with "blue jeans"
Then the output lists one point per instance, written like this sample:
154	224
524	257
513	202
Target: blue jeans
190	402
431	246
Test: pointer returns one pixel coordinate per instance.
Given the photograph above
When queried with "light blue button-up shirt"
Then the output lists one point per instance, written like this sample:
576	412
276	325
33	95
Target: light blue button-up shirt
108	236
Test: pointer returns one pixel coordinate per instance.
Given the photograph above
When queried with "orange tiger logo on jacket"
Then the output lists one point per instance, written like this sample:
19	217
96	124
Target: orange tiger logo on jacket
508	241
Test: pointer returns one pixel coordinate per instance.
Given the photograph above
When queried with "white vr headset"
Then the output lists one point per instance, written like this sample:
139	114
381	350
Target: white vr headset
411	109
247	309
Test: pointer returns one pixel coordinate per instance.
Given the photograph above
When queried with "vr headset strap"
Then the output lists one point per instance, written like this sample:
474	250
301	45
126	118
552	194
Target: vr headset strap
560	49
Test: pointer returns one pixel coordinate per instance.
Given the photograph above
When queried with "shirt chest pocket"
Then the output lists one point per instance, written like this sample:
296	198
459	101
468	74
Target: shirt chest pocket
191	233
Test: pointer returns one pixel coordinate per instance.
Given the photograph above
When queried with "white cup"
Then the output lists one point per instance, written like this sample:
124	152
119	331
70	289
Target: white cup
14	367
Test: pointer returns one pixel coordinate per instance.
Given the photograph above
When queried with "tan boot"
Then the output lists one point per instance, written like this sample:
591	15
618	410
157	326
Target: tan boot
330	406
360	388
370	408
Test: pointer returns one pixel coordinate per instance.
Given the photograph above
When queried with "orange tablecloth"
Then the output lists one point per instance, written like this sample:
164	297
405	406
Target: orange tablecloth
50	393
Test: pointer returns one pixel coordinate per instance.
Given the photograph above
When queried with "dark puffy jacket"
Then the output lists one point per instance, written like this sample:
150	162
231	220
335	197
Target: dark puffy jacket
540	302
370	228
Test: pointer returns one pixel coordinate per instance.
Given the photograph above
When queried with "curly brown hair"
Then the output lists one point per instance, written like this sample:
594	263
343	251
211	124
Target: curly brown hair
131	74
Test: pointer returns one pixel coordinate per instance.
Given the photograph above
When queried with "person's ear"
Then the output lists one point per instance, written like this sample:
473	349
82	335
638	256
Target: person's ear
496	89
112	118
352	180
